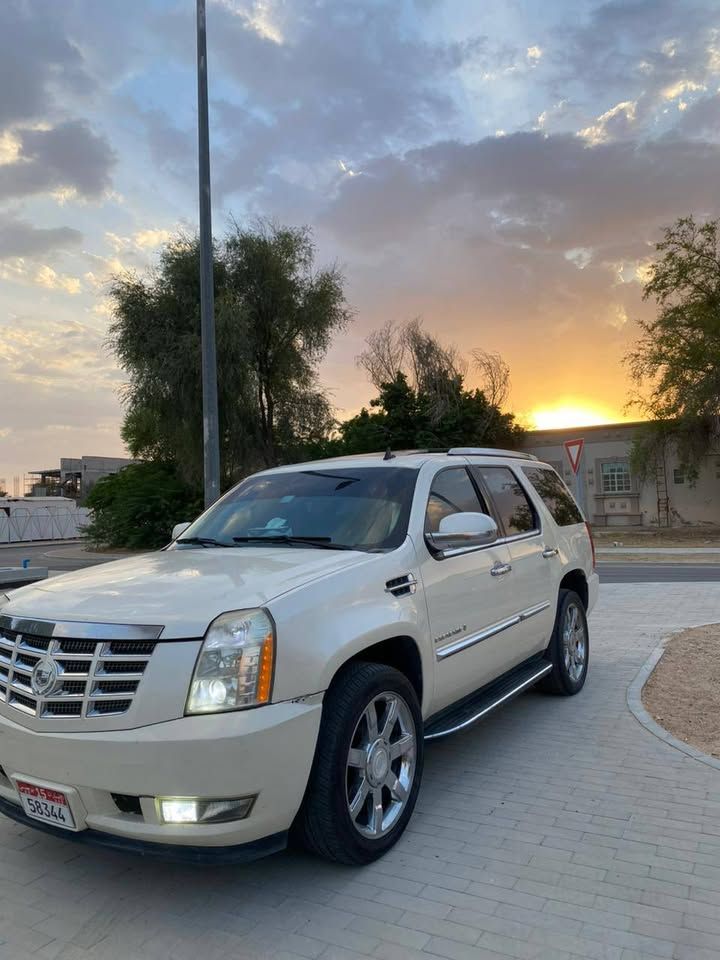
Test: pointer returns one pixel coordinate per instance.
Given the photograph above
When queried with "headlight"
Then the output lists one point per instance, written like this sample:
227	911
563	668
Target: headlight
235	666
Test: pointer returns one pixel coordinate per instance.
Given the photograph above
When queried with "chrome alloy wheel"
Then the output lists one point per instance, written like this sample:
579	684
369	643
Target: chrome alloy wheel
380	765
574	643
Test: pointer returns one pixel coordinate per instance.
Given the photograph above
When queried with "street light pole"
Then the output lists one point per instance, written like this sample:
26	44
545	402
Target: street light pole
211	431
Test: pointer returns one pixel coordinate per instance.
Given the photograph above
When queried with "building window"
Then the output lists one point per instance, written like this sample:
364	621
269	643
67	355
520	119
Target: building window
678	475
616	477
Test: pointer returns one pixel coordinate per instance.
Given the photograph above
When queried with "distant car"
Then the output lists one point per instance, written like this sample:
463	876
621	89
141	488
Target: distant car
277	668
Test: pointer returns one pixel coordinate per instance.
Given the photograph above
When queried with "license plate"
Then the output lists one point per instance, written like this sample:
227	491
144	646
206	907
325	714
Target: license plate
46	804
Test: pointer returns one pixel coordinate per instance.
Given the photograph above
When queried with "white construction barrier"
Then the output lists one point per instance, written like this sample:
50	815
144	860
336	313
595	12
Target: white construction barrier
24	519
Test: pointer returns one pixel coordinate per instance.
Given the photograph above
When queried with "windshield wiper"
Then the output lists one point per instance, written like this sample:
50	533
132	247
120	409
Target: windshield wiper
344	481
202	541
323	543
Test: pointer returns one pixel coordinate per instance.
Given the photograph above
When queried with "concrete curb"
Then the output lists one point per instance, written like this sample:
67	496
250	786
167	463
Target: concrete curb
635	705
19	544
661	551
11	578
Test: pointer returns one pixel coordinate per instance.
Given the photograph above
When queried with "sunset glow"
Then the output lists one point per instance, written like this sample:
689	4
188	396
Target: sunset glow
502	171
570	415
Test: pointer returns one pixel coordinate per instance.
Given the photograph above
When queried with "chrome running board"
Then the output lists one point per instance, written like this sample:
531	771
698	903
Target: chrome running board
465	712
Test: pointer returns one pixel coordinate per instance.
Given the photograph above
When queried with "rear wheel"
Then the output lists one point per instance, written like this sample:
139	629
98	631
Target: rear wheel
569	648
367	768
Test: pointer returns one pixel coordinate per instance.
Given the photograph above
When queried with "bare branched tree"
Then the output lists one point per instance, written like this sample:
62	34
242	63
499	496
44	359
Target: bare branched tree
429	367
384	356
494	376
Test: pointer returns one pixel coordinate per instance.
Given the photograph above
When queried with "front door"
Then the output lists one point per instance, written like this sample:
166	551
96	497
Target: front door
469	596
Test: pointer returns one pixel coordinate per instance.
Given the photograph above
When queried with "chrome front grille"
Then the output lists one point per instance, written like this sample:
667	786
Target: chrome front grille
83	676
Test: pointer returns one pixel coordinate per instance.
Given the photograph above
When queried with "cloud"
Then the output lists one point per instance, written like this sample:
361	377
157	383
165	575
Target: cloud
528	188
516	244
534	54
149	239
19	238
648	50
259	15
702	119
37	61
617	121
678	87
49	353
171	147
373	122
29	273
142	240
346	80
67	156
46	277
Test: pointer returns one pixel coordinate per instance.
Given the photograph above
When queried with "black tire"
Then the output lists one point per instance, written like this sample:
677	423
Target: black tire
324	824
561	680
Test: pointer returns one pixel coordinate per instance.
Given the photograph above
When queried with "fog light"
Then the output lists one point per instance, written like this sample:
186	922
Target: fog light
195	810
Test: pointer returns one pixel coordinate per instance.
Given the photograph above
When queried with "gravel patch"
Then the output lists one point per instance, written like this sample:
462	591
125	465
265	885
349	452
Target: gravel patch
683	692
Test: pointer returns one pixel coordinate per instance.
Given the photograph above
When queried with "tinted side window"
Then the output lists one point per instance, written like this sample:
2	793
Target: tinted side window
452	491
511	502
555	495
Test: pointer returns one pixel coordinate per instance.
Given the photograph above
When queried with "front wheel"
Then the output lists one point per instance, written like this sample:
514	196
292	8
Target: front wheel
569	648
367	768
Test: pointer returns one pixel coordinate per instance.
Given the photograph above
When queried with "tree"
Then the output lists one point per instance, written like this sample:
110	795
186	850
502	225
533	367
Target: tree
422	401
429	368
290	314
675	364
138	506
275	317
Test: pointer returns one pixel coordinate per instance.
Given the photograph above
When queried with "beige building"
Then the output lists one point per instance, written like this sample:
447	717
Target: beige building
74	478
611	495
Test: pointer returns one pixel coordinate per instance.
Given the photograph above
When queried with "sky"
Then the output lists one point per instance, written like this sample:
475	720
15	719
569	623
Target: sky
500	169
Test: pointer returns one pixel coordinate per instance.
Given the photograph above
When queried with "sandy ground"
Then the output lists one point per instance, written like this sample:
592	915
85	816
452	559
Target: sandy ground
683	693
705	536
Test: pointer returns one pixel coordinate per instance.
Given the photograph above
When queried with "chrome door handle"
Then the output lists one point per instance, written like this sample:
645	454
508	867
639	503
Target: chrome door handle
500	569
550	552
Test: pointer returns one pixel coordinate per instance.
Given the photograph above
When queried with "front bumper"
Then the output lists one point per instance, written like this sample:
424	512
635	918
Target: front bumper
266	752
184	853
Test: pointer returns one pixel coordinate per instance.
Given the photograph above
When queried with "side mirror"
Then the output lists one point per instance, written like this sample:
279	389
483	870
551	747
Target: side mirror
463	530
179	529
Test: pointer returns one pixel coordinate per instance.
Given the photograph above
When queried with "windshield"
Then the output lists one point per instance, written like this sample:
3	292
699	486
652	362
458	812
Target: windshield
363	508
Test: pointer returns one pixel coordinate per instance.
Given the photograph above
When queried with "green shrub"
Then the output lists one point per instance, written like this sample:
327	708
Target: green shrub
138	507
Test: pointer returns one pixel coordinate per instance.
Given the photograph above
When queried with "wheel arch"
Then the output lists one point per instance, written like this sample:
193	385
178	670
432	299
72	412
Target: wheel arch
577	581
401	652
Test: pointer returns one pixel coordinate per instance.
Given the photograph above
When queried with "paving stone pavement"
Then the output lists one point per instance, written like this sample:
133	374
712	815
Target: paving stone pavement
557	829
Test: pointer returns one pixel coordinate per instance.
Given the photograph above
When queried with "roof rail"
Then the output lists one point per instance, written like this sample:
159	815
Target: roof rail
488	452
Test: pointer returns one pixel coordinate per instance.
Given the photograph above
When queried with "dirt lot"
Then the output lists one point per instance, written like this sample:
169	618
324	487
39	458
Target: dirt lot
706	536
683	693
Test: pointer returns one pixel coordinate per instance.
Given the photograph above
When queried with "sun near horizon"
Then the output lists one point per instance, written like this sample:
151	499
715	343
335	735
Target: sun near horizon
564	415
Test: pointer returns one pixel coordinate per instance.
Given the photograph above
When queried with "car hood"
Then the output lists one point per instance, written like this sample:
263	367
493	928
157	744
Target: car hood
183	590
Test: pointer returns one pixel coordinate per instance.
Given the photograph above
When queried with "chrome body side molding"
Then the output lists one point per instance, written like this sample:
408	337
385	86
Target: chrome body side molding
490	631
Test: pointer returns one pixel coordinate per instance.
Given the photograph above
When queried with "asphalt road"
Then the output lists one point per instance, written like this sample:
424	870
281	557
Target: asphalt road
610	572
41	555
618	572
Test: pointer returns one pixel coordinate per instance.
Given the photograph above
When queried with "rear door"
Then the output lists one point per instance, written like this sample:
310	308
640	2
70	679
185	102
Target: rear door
530	547
468	595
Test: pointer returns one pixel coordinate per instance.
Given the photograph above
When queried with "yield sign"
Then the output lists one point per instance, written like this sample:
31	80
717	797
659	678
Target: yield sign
574	449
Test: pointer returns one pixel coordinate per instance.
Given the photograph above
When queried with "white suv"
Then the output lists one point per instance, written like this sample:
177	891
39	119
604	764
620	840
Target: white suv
276	669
